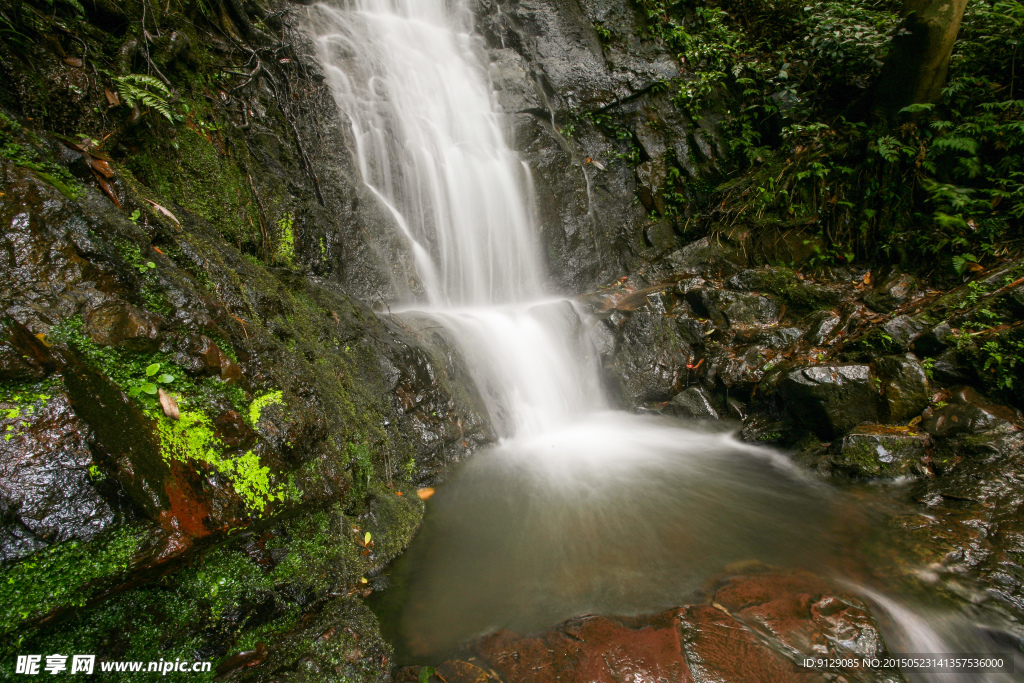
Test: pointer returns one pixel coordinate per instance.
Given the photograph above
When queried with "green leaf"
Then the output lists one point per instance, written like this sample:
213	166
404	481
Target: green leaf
150	264
152	369
366	538
165	378
149	388
425	674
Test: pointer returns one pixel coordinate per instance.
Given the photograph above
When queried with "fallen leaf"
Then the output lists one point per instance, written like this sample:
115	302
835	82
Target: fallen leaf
168	403
113	99
867	278
164	211
73	61
425	493
100	166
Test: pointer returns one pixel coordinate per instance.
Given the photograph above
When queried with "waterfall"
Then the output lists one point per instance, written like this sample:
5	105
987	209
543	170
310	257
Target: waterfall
579	509
430	146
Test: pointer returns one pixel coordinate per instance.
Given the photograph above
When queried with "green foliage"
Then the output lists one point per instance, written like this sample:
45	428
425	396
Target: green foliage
943	184
61	575
147	91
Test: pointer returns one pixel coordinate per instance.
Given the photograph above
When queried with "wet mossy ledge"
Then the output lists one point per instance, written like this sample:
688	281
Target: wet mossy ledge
214	449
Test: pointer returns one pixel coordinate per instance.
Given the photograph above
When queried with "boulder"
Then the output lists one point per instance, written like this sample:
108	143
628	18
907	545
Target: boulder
903	329
705	257
650	360
47	494
831	399
892	292
823	327
934	341
692	403
904	385
881	451
116	323
741	309
967	412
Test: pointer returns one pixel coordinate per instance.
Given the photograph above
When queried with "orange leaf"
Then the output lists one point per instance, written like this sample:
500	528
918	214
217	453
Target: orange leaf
425	493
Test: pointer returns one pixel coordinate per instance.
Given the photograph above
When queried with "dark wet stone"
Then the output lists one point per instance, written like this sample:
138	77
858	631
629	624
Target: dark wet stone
47	494
903	329
650	360
880	451
892	292
967	412
116	323
831	399
692	403
951	368
904	385
933	341
741	309
781	338
704	257
823	327
16	366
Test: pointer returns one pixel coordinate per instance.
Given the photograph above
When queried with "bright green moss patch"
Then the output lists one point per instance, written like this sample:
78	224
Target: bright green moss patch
191	438
260	402
59	576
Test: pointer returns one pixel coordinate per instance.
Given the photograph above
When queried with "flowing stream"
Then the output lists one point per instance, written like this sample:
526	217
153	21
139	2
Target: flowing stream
578	509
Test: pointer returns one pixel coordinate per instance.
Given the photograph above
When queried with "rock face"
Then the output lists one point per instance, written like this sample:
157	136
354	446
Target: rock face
831	399
756	627
880	451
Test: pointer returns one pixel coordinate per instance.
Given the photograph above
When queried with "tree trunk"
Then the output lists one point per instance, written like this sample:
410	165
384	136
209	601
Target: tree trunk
915	71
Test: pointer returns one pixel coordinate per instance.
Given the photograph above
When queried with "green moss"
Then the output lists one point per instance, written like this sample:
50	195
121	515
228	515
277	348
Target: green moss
260	402
22	148
191	438
201	177
286	240
60	576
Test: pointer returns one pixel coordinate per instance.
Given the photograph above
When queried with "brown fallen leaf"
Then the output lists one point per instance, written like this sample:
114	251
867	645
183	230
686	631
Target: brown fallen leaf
164	211
113	99
169	405
425	493
73	61
101	166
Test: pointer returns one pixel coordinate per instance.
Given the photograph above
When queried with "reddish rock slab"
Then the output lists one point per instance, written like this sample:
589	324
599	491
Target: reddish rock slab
756	627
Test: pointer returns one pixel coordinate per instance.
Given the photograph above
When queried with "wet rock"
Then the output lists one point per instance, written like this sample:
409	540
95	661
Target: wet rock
741	309
831	399
781	338
892	292
692	403
202	356
967	412
741	371
934	341
16	366
116	323
904	385
903	329
651	177
881	451
757	627
661	235
650	360
950	368
47	494
705	257
823	328
799	295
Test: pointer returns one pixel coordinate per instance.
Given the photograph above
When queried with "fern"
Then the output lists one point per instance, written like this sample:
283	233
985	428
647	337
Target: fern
147	91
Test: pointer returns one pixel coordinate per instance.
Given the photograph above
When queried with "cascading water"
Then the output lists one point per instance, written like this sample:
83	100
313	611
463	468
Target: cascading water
578	509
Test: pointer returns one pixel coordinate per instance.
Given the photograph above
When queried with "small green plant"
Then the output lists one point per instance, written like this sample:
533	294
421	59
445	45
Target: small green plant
260	402
147	91
146	389
135	215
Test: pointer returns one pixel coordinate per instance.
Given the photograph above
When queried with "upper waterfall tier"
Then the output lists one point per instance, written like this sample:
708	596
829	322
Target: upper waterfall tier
430	146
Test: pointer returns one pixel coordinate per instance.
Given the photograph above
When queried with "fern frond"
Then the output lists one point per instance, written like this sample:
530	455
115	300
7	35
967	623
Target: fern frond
145	90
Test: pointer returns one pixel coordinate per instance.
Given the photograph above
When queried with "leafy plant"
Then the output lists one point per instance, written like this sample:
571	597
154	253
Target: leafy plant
146	389
147	91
